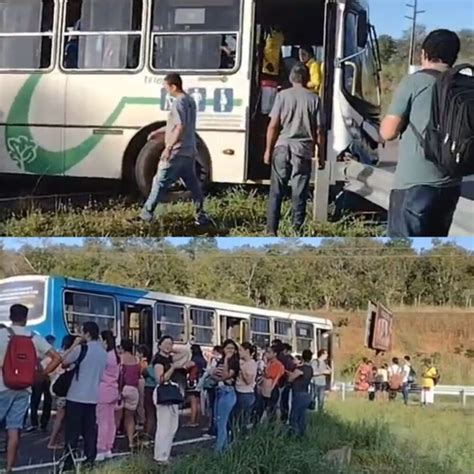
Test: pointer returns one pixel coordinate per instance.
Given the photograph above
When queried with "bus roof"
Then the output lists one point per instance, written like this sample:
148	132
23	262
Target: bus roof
155	295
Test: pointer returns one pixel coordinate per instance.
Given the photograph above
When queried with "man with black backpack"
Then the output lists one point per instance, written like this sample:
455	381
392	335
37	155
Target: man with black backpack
433	110
20	351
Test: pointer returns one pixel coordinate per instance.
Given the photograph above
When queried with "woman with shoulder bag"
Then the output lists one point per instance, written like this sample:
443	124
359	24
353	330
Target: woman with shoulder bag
168	397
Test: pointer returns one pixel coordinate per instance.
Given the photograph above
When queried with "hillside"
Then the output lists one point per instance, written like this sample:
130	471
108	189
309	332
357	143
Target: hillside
447	335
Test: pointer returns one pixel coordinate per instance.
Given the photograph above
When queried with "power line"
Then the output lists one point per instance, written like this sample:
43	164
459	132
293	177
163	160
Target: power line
416	12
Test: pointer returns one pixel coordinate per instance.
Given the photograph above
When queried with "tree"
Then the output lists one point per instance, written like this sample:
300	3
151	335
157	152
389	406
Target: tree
388	48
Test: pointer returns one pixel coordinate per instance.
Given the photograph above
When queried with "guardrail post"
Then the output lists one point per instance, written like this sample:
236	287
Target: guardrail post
343	391
463	397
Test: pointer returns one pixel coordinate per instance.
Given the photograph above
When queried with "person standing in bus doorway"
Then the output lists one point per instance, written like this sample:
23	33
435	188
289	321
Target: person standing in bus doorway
423	199
90	359
178	158
18	343
293	132
306	54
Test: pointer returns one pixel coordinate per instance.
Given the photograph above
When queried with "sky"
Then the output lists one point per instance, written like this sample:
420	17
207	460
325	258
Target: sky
388	16
224	243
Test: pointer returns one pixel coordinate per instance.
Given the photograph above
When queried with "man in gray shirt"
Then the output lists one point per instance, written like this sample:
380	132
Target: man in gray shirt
178	158
293	133
321	371
88	360
423	200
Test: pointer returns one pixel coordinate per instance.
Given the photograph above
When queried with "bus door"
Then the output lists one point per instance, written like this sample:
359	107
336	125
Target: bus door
233	326
137	323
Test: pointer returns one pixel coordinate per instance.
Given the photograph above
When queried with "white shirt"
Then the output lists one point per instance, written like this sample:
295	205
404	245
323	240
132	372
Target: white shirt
41	346
406	372
394	369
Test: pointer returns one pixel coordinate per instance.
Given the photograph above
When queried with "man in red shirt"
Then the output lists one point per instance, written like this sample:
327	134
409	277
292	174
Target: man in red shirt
268	388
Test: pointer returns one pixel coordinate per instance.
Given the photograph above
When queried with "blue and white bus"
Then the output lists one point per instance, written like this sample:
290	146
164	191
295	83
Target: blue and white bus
60	306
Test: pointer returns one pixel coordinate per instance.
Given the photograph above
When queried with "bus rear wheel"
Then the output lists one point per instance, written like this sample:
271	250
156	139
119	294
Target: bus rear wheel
149	158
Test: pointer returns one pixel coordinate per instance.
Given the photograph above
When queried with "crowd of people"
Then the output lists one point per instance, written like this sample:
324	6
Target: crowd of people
384	382
101	390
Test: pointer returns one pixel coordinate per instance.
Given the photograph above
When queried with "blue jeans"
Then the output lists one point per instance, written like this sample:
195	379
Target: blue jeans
405	392
225	402
288	168
244	409
422	211
13	408
168	173
318	395
298	417
284	403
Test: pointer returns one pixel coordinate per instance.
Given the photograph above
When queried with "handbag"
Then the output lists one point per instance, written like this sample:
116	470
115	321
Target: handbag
168	393
62	384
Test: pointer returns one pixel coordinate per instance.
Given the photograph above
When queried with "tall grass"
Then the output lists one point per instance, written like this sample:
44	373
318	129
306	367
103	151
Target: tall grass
385	438
235	212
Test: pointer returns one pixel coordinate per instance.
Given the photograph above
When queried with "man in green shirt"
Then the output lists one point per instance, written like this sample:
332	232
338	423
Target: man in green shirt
423	200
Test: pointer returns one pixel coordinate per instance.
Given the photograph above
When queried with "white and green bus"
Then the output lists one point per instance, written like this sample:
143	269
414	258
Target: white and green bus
81	82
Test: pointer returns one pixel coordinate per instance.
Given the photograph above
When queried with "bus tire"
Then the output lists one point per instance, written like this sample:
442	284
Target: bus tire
149	158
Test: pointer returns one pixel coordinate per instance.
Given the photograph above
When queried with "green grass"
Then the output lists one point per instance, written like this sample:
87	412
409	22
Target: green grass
236	212
385	438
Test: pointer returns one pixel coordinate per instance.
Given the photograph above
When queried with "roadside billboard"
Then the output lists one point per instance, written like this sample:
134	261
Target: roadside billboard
379	327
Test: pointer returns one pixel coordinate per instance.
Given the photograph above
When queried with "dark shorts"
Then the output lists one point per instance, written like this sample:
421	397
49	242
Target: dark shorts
381	386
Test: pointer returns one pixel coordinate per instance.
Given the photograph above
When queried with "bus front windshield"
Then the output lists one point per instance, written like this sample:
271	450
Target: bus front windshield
30	293
195	34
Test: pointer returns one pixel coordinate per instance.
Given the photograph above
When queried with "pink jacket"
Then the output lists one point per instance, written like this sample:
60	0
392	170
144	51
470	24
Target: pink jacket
108	389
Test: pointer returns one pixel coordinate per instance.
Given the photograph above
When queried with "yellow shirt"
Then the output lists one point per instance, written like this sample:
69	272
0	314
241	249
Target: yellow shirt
428	377
315	75
272	53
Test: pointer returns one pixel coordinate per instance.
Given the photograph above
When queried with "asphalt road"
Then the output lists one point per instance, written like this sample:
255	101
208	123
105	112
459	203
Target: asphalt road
35	458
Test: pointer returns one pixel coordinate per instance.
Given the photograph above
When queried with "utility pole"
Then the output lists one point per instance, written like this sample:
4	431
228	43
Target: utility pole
416	12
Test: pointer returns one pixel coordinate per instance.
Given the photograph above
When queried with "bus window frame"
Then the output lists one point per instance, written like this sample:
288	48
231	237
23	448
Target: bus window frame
54	42
252	332
276	335
64	34
365	108
201	72
71	290
185	324
192	325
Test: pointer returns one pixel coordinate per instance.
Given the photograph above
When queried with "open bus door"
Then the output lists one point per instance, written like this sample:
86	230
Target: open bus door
137	324
233	327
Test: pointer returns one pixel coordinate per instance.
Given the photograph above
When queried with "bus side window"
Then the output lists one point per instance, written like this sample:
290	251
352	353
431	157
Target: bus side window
304	337
26	27
260	331
89	42
197	35
80	308
202	325
284	331
171	322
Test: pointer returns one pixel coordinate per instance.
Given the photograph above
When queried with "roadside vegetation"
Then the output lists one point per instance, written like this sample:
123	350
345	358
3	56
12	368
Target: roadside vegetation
430	292
234	213
383	439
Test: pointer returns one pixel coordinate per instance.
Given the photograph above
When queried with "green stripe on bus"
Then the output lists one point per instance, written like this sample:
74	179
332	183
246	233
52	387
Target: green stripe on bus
30	157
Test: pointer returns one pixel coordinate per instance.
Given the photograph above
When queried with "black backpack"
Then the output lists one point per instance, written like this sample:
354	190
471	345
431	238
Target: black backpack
61	386
449	137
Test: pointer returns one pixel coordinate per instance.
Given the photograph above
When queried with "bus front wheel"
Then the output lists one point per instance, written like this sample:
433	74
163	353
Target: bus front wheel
149	158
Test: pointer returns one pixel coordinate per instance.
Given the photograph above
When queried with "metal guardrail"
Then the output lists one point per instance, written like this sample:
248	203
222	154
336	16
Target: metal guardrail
375	184
453	390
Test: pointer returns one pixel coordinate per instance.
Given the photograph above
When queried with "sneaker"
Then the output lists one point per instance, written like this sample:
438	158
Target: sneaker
146	215
100	457
109	455
202	220
207	436
31	429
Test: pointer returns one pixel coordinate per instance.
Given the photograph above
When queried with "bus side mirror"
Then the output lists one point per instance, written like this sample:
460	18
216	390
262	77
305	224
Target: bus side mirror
362	30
